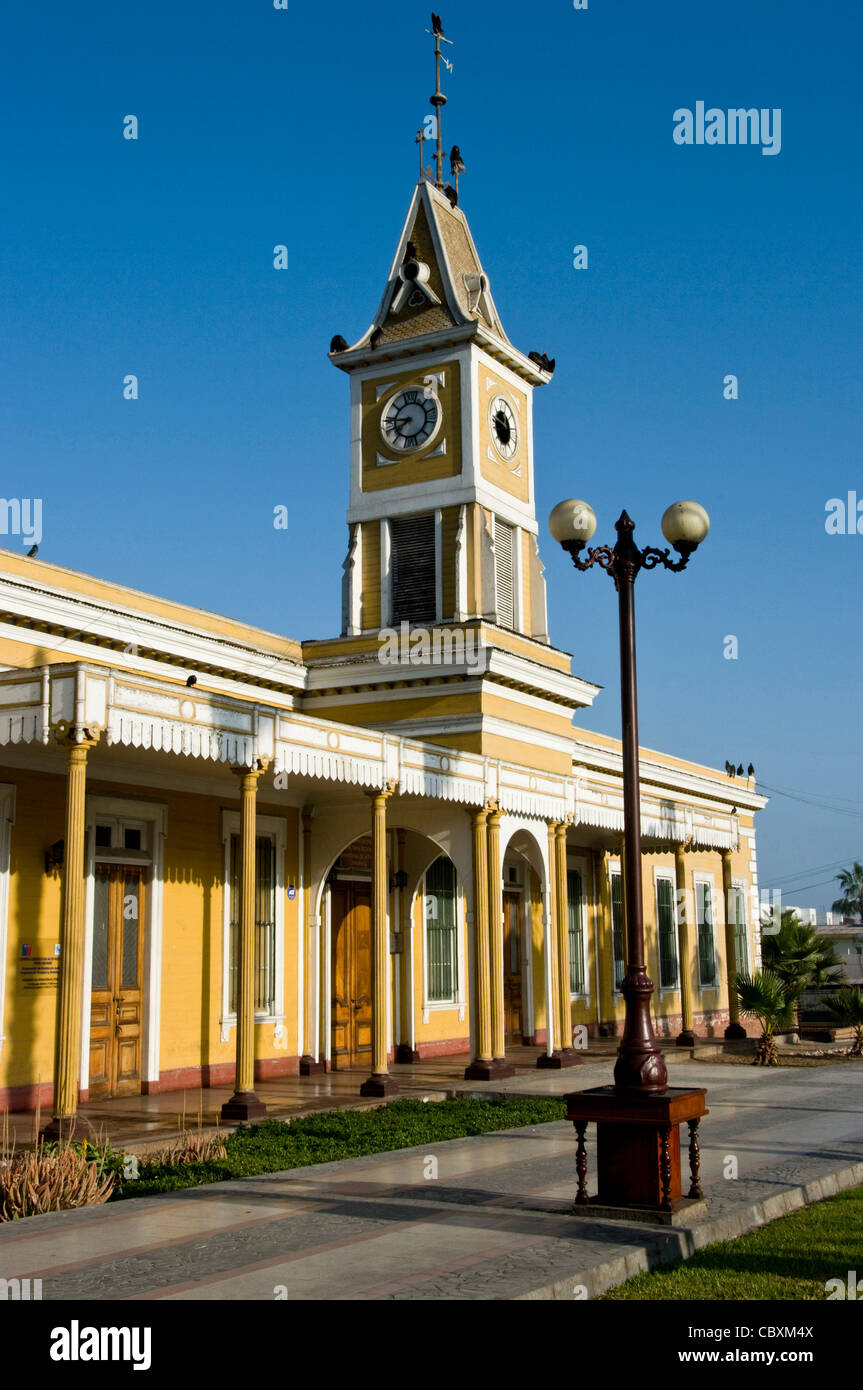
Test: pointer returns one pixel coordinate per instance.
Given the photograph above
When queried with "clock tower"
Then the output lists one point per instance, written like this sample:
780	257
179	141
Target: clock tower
444	626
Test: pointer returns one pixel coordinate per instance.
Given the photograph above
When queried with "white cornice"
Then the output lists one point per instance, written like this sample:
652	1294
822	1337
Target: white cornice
190	647
588	756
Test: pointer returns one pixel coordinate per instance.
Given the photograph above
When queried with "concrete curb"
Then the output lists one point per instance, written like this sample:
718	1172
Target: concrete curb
682	1242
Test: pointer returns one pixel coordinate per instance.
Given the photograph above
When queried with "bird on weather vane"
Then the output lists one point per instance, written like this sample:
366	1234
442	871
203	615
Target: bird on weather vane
439	101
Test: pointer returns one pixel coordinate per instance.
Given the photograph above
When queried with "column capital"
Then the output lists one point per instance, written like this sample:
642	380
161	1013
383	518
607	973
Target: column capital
76	736
383	793
256	768
495	814
478	815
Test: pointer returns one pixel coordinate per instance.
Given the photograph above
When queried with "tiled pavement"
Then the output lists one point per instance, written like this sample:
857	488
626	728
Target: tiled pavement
495	1223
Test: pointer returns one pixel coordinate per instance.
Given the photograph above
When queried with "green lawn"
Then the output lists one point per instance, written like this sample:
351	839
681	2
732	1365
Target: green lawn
274	1145
792	1258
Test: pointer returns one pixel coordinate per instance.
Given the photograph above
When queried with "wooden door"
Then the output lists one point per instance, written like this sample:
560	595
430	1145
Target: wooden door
351	918
512	1005
118	956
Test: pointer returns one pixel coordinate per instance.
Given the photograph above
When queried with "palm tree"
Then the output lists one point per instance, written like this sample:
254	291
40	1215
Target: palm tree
801	958
851	883
847	1009
762	996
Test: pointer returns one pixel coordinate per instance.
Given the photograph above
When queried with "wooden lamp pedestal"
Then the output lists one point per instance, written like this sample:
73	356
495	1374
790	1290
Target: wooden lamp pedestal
638	1149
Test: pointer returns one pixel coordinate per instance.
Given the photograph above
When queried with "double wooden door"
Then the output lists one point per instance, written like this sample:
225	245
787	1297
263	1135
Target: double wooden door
351	918
118	957
512	1000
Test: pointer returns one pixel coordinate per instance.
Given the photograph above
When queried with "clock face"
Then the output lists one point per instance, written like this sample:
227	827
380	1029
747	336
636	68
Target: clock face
411	419
504	428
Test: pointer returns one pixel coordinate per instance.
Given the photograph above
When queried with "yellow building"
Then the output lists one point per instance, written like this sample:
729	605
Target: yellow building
391	845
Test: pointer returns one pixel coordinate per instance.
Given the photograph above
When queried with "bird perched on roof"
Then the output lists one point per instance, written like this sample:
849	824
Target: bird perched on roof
456	163
449	192
32	552
411	253
751	771
541	359
193	680
729	768
740	770
437	25
376	337
339	344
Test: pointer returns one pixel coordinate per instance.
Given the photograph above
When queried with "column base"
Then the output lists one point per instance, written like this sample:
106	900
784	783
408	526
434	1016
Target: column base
493	1069
686	1038
565	1057
66	1127
309	1066
734	1032
379	1085
243	1106
407	1056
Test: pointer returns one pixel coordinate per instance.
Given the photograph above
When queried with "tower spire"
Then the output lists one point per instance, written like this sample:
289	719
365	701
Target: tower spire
438	100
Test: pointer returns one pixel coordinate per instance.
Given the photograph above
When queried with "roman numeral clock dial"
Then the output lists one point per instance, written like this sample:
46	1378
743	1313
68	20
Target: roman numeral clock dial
411	420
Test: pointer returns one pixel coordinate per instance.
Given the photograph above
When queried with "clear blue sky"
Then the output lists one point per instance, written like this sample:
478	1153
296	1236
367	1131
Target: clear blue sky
260	127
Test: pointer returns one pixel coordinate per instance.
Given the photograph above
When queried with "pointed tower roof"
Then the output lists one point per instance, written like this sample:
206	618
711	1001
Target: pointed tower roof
437	294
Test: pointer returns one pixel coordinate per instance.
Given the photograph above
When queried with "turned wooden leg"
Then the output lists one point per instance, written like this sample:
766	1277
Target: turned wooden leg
694	1160
665	1167
582	1198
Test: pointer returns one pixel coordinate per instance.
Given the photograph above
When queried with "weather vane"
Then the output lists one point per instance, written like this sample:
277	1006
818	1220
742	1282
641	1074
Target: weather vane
438	100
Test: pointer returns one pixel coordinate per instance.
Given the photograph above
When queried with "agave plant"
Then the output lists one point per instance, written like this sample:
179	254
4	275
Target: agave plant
847	1010
762	996
55	1178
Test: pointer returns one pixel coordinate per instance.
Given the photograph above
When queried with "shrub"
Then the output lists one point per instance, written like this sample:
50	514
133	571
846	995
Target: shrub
53	1177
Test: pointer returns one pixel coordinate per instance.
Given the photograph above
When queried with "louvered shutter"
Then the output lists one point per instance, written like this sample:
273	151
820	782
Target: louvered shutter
413	569
504	572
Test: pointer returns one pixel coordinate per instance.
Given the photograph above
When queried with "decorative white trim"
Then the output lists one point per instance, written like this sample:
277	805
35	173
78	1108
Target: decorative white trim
7	820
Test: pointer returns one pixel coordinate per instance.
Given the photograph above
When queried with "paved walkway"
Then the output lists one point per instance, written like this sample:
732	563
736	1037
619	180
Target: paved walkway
141	1122
495	1223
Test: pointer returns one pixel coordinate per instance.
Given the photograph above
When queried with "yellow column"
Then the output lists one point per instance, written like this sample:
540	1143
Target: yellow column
734	1030
563	972
482	1065
495	919
244	1104
66	1123
686	1038
309	1064
380	1083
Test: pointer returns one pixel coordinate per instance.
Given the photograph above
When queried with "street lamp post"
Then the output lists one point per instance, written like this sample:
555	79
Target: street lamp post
640	1071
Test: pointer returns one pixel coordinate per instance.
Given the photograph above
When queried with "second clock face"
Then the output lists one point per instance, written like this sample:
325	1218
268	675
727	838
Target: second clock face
411	419
504	428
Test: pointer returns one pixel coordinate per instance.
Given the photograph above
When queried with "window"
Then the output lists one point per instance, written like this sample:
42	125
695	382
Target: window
440	924
667	933
504	573
737	909
576	932
618	933
265	923
414	569
706	947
